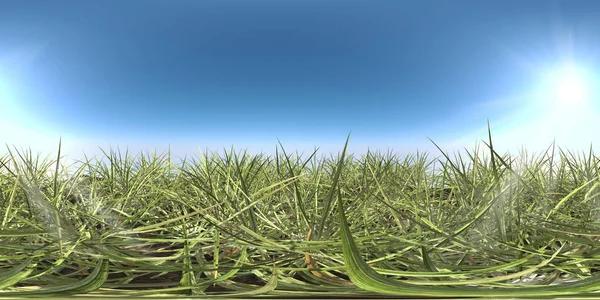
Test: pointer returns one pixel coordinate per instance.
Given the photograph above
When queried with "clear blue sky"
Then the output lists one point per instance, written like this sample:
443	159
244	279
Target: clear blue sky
223	72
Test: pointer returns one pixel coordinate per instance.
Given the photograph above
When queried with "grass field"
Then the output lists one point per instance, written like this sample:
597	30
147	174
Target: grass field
241	225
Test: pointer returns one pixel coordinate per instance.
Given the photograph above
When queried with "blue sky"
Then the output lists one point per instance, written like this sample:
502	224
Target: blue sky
201	73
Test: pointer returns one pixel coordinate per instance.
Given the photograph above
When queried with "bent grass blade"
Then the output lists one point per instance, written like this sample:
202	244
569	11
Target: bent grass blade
16	274
367	278
269	287
91	283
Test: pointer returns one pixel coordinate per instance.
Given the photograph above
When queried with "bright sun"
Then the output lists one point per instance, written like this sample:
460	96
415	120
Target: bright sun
564	109
571	86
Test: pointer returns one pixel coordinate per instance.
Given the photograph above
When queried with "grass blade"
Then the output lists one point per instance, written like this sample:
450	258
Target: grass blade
91	283
364	277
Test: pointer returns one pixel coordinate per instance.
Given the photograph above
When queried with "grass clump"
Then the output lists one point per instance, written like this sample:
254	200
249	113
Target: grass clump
247	225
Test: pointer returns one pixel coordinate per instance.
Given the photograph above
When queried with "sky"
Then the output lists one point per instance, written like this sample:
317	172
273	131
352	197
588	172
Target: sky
186	75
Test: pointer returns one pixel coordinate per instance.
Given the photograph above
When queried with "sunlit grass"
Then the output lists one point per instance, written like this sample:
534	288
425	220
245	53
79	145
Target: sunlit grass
243	225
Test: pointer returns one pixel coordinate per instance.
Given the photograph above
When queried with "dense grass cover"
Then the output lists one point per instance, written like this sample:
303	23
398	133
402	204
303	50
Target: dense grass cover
239	225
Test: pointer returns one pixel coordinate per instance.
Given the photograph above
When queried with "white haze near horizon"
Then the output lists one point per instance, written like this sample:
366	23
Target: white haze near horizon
533	138
533	130
525	122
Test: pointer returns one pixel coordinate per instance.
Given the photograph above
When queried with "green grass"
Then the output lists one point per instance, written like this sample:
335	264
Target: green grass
241	225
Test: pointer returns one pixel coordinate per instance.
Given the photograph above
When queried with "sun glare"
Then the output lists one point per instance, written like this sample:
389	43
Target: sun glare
571	87
561	109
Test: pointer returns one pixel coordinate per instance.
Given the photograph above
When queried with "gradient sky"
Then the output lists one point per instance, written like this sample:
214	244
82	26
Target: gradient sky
213	74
